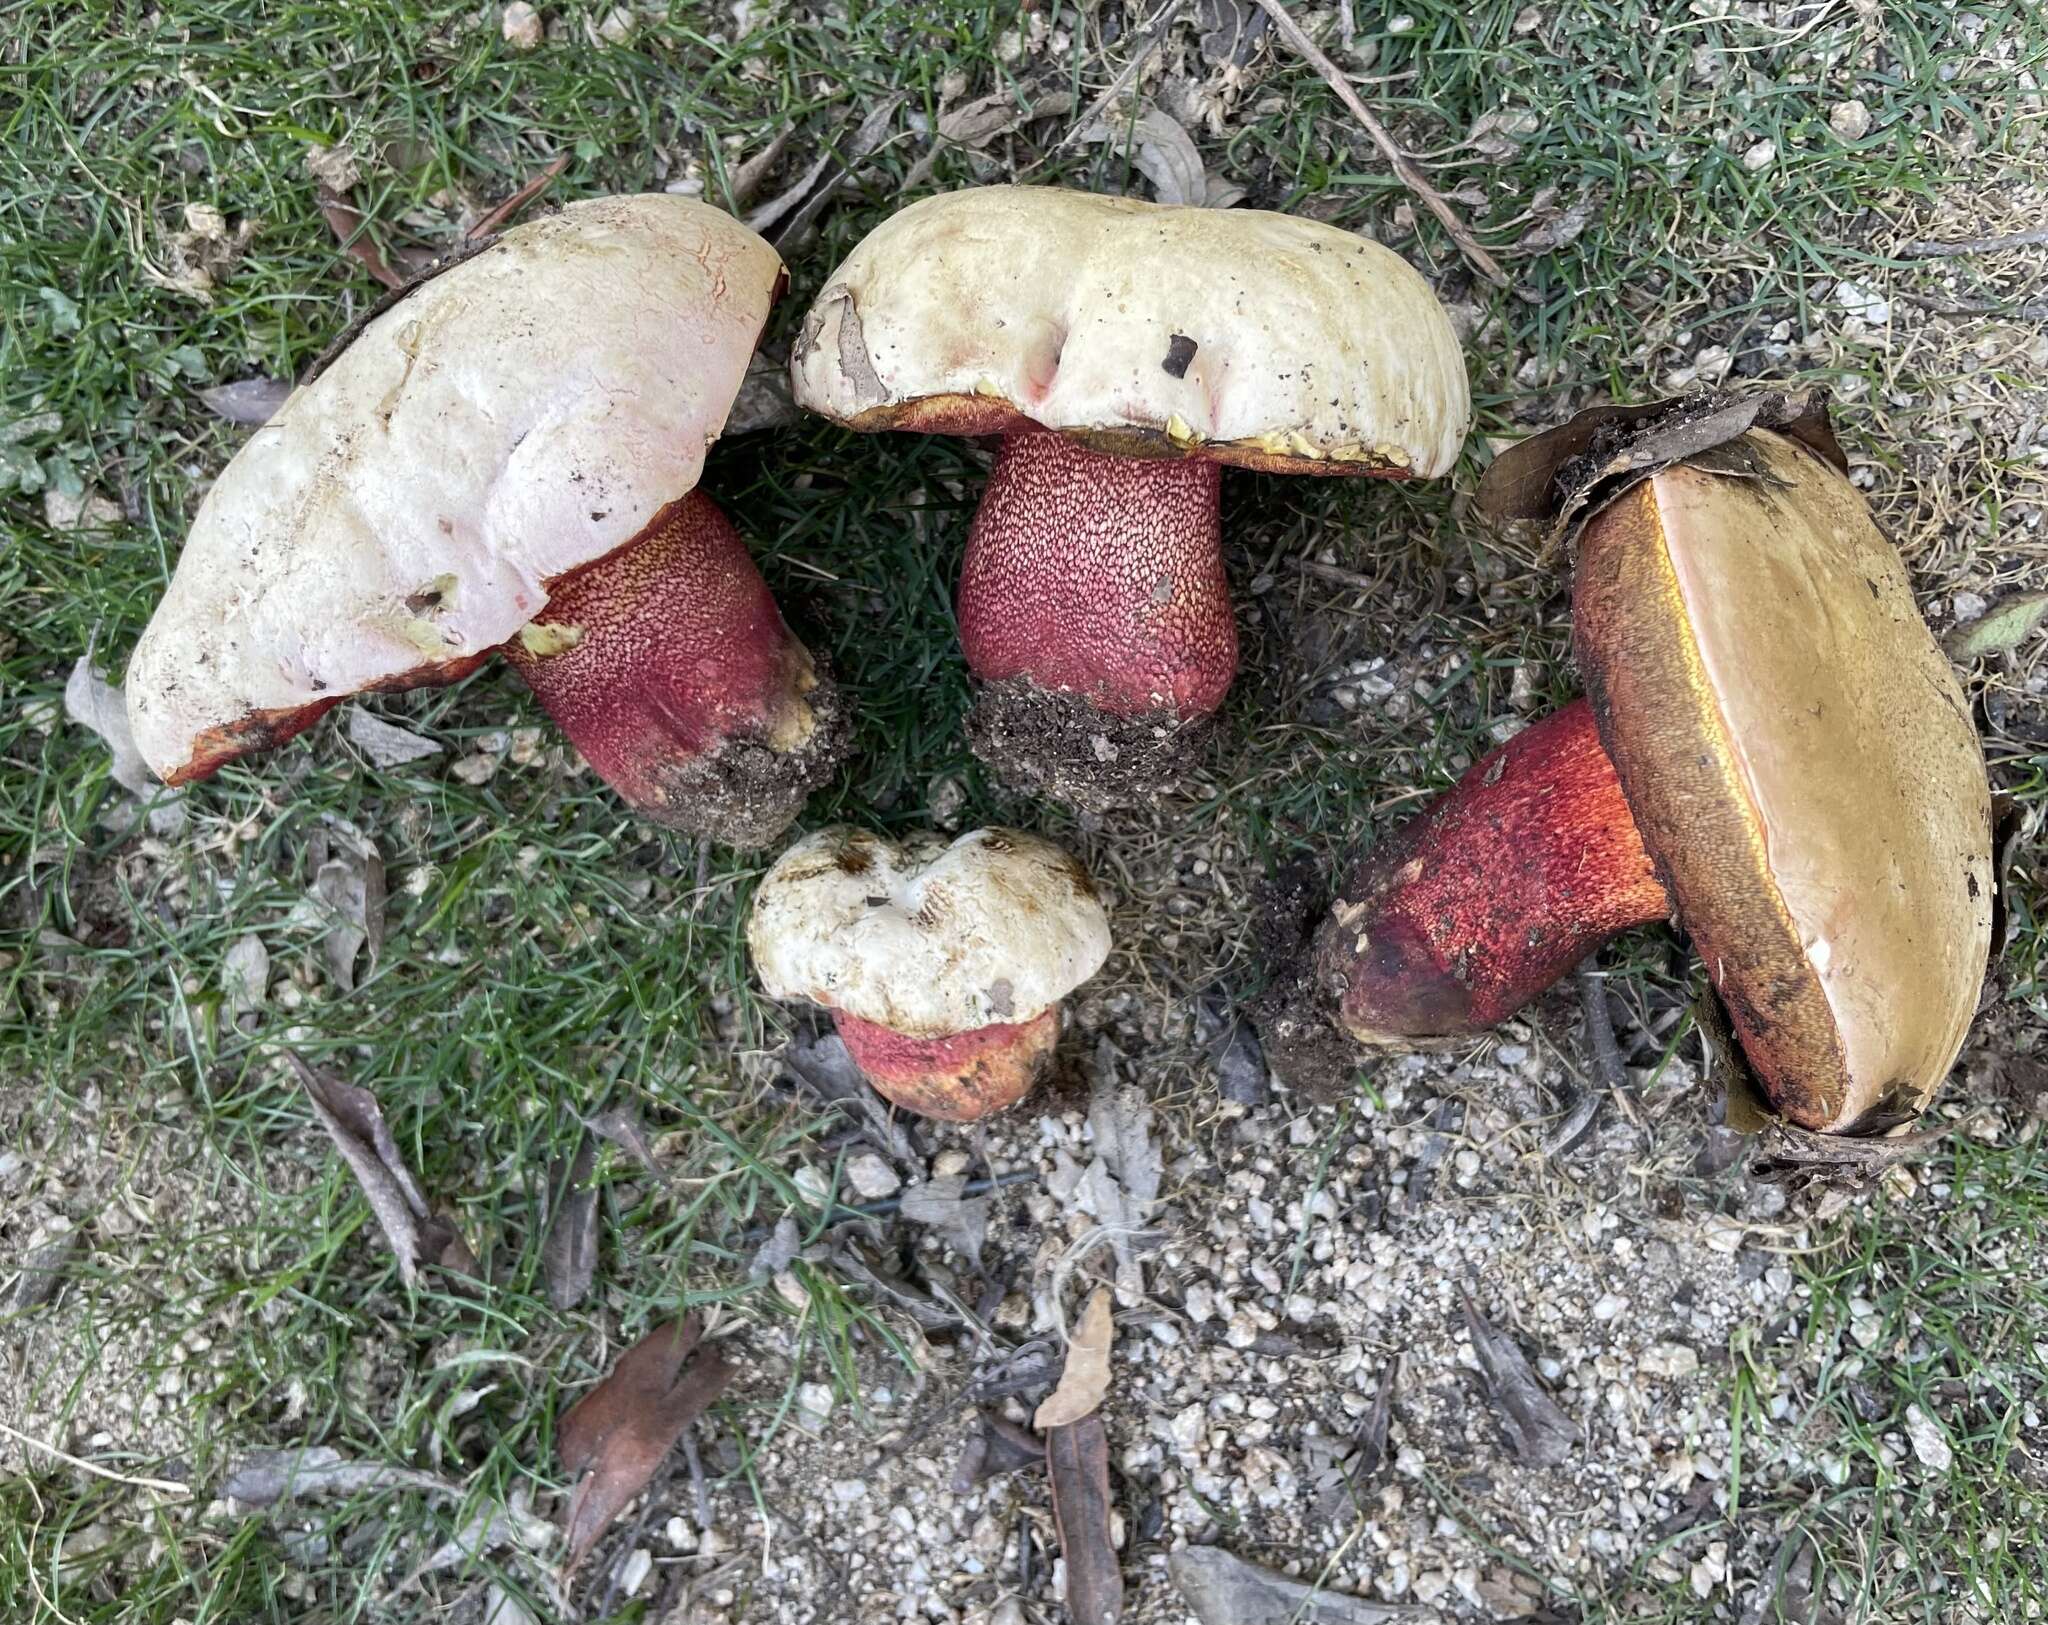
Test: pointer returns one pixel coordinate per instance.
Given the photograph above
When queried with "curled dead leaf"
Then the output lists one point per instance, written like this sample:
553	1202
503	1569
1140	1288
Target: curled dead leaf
1085	1378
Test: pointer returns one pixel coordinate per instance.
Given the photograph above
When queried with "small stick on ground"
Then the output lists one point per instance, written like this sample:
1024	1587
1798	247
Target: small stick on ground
700	1490
1600	1042
496	219
1973	245
1399	161
165	1486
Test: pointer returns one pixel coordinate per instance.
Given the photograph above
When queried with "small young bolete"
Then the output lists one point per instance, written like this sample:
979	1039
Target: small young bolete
943	964
1124	351
1772	750
506	460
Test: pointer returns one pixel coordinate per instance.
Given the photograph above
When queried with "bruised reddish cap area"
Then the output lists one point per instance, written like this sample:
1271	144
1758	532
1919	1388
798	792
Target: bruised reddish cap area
957	1079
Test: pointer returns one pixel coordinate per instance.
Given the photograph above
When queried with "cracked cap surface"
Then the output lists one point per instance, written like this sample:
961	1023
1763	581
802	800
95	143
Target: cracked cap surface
925	937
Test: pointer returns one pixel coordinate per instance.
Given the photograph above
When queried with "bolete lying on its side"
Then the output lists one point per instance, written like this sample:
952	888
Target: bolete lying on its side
1124	351
943	964
1772	751
506	460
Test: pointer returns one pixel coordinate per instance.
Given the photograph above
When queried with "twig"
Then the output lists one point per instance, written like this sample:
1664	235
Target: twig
748	177
1397	160
347	224
1972	245
165	1485
2031	310
1606	1053
1337	573
517	201
700	1490
1155	31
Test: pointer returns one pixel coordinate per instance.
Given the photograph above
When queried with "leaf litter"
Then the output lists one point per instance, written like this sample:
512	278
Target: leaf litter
355	1123
1085	1378
569	1254
616	1436
1226	1590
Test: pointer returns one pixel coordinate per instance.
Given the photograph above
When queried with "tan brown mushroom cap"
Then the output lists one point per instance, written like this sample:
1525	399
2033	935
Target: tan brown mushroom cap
1258	339
1801	763
525	413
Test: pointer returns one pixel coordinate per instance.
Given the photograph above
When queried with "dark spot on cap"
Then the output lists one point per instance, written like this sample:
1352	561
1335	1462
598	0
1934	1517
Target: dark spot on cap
426	600
853	859
1179	353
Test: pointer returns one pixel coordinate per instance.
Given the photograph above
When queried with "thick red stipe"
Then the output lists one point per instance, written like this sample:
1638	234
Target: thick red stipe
1483	901
957	1079
670	667
1100	577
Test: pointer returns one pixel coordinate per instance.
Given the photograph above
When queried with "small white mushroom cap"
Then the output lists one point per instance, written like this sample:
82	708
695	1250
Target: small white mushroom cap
1254	338
925	938
525	412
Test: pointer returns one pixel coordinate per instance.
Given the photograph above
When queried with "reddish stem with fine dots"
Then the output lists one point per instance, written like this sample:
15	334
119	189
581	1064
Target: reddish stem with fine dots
659	657
1525	867
959	1078
1100	576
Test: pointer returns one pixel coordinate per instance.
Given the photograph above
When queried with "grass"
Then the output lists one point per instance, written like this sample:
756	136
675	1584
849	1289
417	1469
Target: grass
547	955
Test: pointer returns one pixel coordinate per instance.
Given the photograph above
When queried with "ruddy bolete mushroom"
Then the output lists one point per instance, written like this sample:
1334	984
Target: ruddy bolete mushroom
506	459
1124	351
943	964
1772	750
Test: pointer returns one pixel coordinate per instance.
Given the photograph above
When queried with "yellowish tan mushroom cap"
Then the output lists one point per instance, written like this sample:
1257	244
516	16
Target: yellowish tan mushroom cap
1251	338
1802	766
926	938
522	414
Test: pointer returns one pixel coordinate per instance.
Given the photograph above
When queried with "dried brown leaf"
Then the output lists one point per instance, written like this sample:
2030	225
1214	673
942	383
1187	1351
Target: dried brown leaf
350	232
747	179
568	1258
1226	1590
620	1126
1077	1457
1085	1378
1541	1434
348	893
356	1125
264	1477
251	402
942	1204
385	743
997	1447
616	1435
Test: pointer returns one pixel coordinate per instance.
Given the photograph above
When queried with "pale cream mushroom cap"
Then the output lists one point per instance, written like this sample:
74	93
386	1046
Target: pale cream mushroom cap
924	937
1259	339
523	413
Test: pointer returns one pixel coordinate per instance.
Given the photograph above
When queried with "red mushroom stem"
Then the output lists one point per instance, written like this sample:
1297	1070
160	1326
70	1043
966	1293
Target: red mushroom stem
959	1078
1102	577
669	666
1475	907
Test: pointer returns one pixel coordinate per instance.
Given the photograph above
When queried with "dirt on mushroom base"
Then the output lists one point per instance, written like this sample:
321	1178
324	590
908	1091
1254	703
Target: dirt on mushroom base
1063	747
746	792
